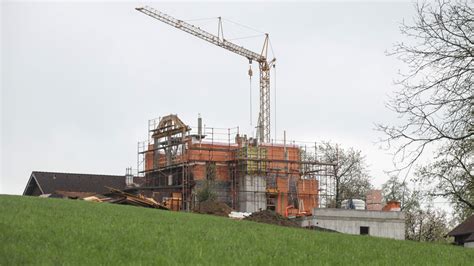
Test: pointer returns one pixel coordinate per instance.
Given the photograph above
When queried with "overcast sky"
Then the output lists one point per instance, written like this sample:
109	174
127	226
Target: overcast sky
81	80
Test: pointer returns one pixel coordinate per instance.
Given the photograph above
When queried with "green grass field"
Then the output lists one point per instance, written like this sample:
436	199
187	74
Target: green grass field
56	231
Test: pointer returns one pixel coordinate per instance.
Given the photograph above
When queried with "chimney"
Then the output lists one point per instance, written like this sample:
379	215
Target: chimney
199	126
128	176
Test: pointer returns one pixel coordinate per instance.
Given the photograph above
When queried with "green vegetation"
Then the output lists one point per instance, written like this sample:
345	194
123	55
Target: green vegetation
56	231
207	192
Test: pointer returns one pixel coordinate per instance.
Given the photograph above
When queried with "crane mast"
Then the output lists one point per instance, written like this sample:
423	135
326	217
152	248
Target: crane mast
263	127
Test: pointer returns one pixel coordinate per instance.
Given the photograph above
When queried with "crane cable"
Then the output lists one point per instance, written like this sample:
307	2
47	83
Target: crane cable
275	100
250	79
274	87
246	37
199	19
243	26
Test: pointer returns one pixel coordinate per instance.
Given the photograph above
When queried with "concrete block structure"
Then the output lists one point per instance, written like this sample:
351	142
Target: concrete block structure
252	194
359	222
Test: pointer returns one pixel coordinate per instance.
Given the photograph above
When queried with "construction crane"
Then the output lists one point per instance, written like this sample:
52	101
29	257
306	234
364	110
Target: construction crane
263	125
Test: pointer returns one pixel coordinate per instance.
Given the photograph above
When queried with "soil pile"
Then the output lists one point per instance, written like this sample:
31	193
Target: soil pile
213	207
271	217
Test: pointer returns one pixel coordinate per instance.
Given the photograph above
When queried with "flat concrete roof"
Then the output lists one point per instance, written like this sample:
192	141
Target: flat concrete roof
346	213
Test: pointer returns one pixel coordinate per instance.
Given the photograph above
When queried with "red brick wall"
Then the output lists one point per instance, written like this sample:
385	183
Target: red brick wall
373	200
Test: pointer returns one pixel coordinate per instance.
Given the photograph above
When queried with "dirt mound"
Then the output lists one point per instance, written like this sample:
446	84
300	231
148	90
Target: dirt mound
213	207
271	217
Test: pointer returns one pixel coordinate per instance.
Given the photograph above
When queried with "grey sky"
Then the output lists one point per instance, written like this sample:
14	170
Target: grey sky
80	80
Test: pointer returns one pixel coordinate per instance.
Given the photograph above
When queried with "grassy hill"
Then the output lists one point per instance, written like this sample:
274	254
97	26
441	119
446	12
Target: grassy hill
55	231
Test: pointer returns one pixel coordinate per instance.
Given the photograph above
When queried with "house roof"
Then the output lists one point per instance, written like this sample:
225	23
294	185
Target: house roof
469	238
49	182
466	227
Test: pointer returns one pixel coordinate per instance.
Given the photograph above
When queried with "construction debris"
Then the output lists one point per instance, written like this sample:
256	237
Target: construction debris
174	202
114	196
271	217
93	199
73	194
120	197
67	194
214	208
239	215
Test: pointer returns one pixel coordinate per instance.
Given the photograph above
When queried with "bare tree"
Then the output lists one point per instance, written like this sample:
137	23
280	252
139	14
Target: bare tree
394	189
422	223
430	225
352	177
435	99
453	172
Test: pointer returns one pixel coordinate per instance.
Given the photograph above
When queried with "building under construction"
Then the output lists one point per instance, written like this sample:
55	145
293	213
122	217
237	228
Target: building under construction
183	166
180	165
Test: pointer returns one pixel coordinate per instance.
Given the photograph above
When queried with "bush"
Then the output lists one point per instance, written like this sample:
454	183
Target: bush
207	192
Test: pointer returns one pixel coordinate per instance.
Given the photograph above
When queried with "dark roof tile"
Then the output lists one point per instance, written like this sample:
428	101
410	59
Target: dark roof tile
465	227
470	238
51	182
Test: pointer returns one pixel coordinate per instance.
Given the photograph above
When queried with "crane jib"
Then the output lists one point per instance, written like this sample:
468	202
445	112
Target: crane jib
191	29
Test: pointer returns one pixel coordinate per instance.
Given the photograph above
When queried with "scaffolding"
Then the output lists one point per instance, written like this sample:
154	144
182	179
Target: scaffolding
177	161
